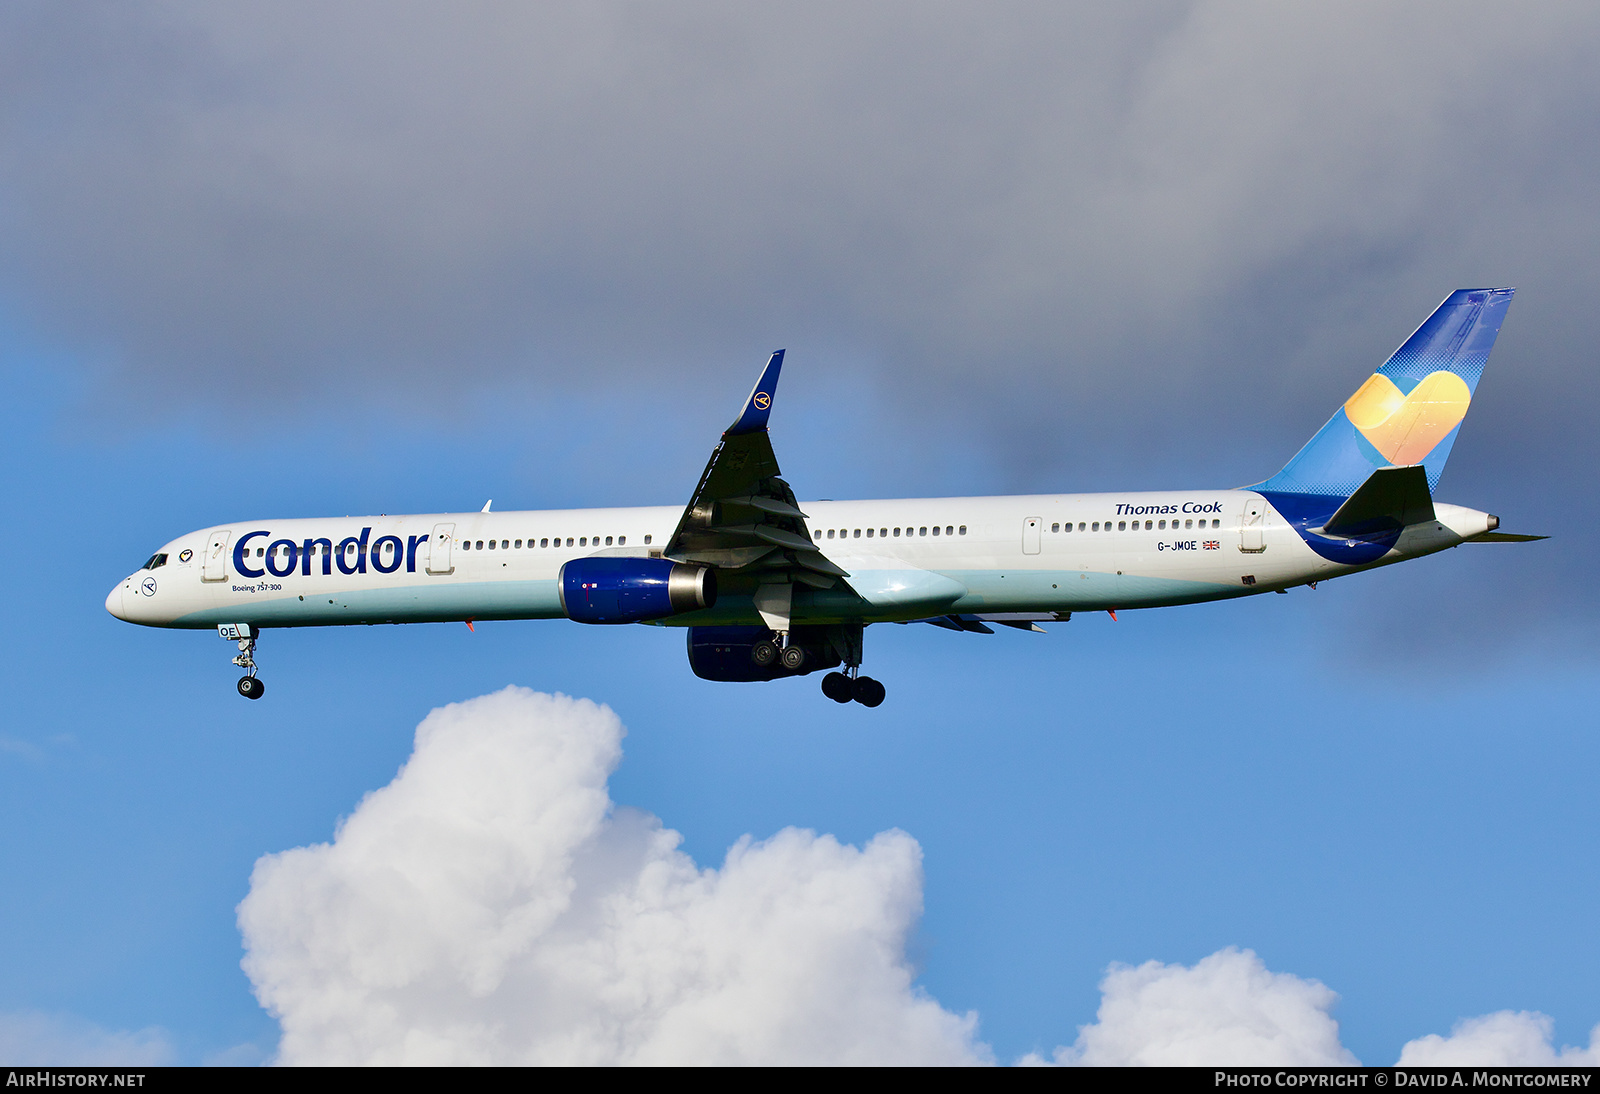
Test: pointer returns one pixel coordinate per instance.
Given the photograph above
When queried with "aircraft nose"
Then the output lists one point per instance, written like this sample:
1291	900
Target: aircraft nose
114	601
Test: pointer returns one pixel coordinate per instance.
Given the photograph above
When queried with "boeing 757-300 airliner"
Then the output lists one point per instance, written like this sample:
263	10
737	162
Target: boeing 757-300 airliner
769	587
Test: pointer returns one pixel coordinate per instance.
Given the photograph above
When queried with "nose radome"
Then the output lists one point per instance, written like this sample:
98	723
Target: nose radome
114	601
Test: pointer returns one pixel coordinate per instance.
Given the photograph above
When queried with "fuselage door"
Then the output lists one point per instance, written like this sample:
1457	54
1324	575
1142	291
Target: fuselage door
1030	535
214	564
440	543
1253	526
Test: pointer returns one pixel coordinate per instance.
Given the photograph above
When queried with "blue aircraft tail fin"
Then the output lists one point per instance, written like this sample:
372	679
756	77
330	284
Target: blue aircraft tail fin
1409	411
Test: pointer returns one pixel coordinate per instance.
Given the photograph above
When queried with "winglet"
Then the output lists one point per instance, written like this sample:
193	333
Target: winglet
757	408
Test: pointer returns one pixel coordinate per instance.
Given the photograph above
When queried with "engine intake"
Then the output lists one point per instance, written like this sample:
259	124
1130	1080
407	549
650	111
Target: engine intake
633	590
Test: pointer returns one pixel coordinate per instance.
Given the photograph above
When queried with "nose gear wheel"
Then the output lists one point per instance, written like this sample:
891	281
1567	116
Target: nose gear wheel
250	686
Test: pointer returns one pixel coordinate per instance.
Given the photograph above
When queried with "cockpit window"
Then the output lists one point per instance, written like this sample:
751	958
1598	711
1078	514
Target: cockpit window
157	561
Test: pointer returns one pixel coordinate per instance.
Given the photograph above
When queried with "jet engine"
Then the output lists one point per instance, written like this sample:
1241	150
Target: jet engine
633	590
727	654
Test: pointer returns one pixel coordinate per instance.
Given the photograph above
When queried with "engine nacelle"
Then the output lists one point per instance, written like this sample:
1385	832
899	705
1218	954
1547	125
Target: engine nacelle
724	654
633	590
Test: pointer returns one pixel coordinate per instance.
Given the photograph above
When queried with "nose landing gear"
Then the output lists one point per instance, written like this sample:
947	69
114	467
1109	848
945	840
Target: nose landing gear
250	686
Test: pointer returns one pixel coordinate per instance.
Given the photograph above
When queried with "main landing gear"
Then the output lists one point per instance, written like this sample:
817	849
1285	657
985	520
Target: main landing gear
861	689
765	653
820	647
849	685
250	686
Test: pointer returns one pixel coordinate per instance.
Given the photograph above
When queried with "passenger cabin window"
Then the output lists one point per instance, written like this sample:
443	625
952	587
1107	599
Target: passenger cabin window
569	541
608	541
870	531
1056	527
856	534
963	529
647	539
621	540
883	533
922	531
818	533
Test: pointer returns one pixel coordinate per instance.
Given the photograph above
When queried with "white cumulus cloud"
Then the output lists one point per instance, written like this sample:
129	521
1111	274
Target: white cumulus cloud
490	905
1503	1039
1228	1009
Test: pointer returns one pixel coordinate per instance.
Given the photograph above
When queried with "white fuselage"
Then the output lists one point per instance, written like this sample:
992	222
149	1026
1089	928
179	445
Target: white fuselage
906	559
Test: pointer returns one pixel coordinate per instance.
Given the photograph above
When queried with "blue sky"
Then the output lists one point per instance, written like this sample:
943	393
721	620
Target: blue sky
1384	784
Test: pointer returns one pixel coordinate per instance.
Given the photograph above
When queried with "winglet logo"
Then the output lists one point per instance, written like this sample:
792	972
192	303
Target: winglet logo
1405	428
762	400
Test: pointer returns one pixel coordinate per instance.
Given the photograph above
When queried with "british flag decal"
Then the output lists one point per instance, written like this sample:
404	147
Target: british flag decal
1212	545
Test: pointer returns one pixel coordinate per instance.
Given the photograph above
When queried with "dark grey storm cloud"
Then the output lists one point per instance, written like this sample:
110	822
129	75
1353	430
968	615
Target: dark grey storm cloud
1091	236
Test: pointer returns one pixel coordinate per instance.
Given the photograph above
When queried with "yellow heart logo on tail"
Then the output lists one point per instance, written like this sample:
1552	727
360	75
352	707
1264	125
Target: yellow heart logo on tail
1405	428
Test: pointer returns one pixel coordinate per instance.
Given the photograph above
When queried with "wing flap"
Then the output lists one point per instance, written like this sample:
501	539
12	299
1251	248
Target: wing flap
765	505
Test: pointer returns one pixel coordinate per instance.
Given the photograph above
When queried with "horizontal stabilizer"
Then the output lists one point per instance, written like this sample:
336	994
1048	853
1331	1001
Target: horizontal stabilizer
1504	537
1391	498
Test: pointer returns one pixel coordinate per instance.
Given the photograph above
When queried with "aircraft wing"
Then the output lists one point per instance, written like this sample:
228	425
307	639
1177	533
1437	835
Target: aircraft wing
743	518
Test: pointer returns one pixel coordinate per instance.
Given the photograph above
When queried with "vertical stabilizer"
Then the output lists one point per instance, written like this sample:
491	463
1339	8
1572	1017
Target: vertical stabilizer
1409	411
